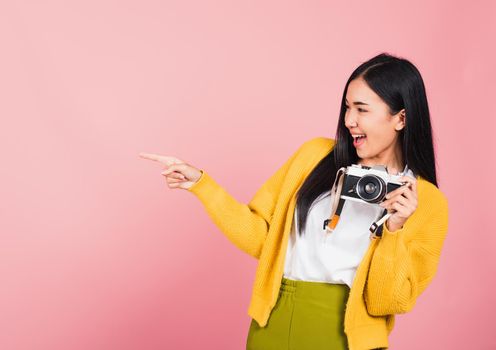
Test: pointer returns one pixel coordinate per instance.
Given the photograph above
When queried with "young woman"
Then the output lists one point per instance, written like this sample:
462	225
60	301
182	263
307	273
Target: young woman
341	290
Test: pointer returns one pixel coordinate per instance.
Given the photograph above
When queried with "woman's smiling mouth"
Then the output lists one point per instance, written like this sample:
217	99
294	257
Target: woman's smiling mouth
358	139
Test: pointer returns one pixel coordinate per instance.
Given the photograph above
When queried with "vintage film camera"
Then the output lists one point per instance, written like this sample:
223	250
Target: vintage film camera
363	184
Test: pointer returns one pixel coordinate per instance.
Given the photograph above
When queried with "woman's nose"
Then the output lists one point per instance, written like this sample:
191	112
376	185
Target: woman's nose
350	121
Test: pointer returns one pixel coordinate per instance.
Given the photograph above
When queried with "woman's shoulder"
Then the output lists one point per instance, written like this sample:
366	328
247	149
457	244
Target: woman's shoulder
318	143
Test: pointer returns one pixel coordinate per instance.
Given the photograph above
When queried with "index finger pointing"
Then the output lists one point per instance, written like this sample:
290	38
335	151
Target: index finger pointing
150	156
167	160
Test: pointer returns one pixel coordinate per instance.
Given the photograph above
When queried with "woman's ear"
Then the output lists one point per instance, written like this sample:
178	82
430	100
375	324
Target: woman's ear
401	120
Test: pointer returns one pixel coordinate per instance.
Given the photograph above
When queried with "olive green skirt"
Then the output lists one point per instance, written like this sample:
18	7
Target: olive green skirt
307	315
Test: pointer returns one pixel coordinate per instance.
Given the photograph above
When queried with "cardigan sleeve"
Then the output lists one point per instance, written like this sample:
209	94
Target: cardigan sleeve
245	225
405	261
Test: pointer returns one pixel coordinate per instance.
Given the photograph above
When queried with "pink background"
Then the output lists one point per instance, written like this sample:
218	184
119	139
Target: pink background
96	252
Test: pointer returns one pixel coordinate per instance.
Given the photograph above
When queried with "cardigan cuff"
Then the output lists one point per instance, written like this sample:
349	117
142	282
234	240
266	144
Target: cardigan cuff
386	229
391	239
197	186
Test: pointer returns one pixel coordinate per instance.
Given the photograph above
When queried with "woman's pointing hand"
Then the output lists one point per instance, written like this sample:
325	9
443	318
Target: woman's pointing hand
178	173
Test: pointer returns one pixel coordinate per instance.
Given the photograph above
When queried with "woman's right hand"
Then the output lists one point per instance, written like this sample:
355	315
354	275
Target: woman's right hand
178	173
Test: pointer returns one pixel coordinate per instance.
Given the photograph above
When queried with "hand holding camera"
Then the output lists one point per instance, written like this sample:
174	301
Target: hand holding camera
402	202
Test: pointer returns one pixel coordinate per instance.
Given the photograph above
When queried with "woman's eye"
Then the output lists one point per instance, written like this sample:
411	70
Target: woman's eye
359	109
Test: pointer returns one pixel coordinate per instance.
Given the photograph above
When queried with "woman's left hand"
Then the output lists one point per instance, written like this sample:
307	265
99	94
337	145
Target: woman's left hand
402	202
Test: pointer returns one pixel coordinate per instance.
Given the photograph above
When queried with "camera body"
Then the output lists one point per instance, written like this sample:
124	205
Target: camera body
368	184
362	184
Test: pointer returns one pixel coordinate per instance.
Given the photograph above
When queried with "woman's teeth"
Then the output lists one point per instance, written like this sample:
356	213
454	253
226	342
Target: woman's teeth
358	140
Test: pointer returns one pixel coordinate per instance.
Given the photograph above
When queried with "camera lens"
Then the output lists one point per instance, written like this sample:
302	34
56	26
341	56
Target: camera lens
371	188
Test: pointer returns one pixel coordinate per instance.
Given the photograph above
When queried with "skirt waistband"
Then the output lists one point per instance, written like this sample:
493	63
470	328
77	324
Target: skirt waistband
324	291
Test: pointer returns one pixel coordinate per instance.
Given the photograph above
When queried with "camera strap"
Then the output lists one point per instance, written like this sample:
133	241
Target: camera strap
377	226
337	203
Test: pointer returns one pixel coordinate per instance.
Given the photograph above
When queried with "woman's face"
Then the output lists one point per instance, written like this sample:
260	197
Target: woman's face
368	114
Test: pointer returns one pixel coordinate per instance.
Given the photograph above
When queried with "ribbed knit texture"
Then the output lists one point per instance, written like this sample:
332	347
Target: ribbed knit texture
393	272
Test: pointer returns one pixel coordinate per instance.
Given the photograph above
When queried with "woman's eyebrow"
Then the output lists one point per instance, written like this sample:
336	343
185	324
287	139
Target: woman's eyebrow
359	103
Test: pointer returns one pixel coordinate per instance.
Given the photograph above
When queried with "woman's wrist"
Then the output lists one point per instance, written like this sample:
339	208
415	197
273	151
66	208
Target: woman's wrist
392	227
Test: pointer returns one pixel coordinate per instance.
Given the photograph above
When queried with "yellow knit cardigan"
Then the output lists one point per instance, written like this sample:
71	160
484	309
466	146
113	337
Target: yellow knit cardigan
394	271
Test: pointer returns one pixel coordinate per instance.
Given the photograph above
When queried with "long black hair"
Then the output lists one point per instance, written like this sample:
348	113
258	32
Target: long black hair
399	84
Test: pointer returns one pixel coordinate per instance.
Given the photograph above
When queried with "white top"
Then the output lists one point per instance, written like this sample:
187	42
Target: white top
321	256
